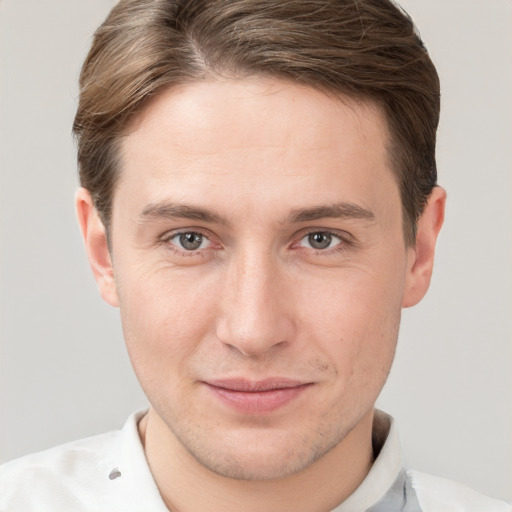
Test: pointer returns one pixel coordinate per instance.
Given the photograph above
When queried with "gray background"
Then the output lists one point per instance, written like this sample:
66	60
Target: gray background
64	372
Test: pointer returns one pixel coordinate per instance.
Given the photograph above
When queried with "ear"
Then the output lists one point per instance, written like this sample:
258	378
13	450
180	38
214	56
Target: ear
95	239
421	257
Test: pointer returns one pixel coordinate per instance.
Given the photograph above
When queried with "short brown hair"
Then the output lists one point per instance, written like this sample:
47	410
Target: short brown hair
364	49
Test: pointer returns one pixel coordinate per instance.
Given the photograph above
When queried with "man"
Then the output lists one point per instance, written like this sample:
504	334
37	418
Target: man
259	198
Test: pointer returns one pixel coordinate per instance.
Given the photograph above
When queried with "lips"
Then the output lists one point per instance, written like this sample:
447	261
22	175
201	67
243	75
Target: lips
257	397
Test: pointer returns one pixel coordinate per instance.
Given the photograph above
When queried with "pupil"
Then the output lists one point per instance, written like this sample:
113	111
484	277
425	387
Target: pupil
320	240
191	241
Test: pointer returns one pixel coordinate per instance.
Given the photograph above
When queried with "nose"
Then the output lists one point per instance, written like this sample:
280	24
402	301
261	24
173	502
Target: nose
255	311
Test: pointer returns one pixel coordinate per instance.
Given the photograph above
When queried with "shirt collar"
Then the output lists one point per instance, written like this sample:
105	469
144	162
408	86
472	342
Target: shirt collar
130	472
384	471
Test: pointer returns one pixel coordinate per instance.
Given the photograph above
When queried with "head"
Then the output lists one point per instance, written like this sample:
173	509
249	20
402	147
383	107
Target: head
259	200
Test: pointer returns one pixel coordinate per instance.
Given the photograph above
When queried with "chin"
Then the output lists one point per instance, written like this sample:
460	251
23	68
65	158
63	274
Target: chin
257	466
261	457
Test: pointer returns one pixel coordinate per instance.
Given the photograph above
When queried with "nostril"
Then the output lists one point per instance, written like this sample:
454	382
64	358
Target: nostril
256	347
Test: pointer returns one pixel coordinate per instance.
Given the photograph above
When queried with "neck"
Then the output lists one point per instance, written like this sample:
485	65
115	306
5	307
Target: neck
188	486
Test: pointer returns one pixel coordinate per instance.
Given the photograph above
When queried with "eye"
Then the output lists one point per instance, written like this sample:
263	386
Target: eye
320	240
189	241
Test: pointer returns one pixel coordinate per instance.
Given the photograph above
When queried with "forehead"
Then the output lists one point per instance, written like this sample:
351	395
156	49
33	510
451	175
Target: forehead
254	136
192	111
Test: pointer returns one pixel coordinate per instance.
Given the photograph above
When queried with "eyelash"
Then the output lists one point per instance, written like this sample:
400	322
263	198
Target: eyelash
345	242
166	240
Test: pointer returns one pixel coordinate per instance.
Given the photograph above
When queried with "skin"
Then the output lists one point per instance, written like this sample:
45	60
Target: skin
259	164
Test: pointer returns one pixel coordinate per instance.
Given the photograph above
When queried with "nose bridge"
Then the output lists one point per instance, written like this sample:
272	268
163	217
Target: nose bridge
253	317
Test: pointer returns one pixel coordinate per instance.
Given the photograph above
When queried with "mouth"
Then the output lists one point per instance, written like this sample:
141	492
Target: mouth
257	397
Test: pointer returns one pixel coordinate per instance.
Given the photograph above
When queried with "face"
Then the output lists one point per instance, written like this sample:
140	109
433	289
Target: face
260	268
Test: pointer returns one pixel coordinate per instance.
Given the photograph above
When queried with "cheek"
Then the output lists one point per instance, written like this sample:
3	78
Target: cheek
164	319
355	323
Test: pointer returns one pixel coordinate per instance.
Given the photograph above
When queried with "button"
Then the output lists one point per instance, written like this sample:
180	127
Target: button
115	473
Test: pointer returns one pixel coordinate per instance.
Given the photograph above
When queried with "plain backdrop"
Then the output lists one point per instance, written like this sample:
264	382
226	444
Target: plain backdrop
64	371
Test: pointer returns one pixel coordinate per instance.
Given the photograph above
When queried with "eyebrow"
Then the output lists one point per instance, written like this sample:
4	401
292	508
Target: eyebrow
333	211
170	211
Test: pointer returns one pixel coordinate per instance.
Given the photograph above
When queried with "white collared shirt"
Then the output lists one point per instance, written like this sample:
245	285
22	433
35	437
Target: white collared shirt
110	473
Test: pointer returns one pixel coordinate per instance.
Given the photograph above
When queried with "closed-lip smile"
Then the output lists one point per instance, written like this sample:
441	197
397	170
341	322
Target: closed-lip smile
256	397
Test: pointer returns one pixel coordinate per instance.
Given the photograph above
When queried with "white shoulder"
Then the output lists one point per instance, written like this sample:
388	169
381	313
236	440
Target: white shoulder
437	494
63	472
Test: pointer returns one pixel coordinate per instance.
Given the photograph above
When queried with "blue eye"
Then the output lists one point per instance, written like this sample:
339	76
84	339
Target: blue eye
190	241
320	240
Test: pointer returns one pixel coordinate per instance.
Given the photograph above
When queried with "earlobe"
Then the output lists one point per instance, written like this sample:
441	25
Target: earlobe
95	239
421	256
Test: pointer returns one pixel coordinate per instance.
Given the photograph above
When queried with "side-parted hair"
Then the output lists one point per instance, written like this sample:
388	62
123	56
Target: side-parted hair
367	50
